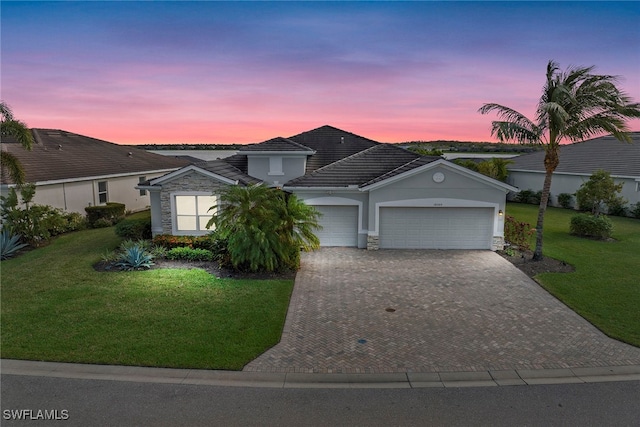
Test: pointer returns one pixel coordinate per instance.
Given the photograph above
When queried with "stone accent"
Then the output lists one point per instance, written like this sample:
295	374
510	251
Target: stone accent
191	181
498	243
373	243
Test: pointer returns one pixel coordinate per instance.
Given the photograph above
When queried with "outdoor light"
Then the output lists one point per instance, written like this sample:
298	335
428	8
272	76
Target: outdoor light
500	213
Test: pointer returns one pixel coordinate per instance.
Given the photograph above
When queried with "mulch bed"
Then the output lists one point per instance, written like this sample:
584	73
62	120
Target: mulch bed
524	262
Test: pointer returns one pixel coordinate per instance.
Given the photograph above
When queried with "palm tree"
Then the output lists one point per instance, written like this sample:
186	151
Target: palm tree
265	227
9	126
575	104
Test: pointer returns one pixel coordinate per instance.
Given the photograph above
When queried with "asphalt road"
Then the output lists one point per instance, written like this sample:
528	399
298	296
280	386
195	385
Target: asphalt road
119	403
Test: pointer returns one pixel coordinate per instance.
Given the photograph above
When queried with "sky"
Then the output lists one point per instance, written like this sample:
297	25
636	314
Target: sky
245	72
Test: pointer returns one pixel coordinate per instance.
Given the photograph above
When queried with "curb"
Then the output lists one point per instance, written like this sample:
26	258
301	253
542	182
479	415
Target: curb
309	380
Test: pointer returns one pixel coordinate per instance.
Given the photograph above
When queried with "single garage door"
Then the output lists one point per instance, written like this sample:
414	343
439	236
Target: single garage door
340	226
436	228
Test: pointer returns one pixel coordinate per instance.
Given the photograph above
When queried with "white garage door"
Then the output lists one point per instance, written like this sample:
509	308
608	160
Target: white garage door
436	228
340	225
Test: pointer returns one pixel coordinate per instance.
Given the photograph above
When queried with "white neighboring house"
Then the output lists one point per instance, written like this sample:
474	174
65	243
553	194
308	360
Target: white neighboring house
577	162
371	195
73	171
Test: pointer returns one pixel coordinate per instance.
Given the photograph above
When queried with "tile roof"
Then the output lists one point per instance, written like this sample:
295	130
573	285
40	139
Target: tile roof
278	144
61	155
331	144
606	152
220	167
363	168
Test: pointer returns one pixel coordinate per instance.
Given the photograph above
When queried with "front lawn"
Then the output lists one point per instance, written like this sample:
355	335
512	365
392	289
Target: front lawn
605	288
56	307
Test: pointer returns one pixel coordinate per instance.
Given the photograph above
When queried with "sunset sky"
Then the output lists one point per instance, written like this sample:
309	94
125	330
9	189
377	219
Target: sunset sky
243	72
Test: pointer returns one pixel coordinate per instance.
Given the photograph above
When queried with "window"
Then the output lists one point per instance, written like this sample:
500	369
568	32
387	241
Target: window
103	196
142	179
192	213
275	166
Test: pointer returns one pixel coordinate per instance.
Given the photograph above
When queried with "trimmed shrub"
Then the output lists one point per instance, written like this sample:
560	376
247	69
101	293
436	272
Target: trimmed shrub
189	254
168	241
134	228
565	200
111	212
634	210
517	233
585	225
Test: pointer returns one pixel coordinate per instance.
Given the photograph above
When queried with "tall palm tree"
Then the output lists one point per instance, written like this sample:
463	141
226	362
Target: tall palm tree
575	104
9	126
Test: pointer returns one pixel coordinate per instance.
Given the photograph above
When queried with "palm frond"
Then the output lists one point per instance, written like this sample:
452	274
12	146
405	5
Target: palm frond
13	167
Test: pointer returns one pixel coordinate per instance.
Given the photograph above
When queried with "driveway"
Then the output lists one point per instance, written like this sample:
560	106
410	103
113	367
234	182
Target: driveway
358	311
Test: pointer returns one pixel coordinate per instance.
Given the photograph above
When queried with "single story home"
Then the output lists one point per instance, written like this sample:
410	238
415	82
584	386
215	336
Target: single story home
73	171
578	161
371	195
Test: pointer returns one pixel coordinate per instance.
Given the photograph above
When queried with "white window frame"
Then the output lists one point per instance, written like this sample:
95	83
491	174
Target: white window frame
105	192
174	214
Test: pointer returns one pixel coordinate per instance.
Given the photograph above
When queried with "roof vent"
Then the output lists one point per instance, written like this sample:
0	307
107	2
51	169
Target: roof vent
60	147
130	154
342	140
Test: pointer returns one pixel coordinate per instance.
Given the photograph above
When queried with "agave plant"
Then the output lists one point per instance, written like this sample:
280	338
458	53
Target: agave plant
135	258
9	244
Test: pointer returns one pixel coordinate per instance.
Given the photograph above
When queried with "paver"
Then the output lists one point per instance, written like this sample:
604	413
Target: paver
356	311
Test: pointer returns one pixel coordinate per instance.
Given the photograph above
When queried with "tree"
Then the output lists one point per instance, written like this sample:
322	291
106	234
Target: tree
575	104
598	190
265	227
495	168
9	126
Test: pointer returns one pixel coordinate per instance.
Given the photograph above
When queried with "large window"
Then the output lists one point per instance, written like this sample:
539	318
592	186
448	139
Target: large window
192	213
103	196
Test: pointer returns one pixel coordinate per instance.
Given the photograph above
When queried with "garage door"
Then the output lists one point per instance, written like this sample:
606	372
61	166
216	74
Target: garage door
340	225
436	228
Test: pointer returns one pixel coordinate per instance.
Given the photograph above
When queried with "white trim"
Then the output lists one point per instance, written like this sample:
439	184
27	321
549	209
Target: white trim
350	189
191	168
172	200
93	178
439	202
339	201
443	163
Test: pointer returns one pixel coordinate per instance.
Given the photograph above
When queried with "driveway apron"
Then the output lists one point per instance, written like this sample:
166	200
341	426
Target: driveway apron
358	311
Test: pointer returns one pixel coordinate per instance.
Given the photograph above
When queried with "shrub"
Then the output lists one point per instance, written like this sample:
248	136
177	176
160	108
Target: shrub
565	200
101	223
617	207
134	228
112	212
189	254
168	241
135	258
585	225
526	196
634	210
9	244
517	233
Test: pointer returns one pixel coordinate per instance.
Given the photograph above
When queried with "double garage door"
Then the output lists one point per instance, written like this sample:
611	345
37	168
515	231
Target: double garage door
436	228
411	228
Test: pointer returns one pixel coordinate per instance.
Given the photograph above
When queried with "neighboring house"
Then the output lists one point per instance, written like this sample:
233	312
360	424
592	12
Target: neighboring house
72	171
577	162
370	194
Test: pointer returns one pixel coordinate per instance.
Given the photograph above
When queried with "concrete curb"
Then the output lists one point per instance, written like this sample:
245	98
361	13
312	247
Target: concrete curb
301	380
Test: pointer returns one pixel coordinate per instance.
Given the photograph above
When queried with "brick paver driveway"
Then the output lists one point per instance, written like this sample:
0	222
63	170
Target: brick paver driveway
357	311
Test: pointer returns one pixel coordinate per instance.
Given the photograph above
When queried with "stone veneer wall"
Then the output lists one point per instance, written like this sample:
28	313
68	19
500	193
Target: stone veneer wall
373	243
191	181
498	243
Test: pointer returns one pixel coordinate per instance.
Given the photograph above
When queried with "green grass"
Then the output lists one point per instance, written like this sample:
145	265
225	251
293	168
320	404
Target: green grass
56	307
605	288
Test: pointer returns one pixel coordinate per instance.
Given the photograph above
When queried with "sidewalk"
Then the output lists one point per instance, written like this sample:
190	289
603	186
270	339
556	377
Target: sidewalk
304	380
